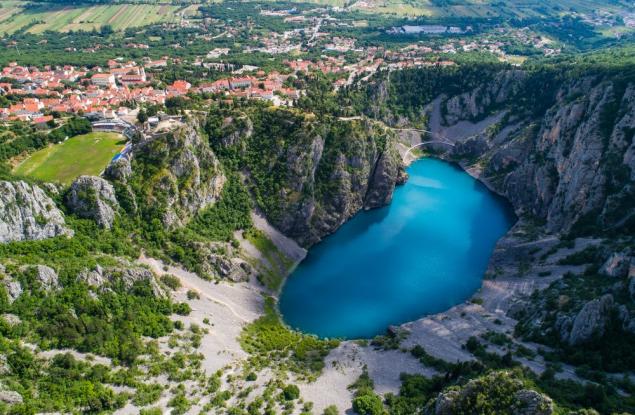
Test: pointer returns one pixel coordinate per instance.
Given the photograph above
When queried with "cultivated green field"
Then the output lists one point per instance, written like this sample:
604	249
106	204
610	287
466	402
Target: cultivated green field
84	154
63	18
476	8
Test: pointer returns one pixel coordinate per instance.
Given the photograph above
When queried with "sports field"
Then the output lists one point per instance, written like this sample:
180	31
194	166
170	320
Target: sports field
63	18
84	154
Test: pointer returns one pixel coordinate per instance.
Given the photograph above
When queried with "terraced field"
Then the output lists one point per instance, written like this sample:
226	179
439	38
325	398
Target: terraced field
477	8
14	16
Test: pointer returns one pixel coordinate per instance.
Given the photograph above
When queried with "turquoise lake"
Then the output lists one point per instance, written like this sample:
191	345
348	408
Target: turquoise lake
424	253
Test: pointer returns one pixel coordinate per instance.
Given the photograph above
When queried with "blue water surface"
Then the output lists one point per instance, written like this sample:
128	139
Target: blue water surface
424	253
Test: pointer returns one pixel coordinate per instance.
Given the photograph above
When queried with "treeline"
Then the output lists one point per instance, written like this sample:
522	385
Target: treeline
407	92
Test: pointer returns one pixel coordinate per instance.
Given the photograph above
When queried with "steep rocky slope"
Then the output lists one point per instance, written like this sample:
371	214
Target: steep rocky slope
309	175
559	147
173	175
28	213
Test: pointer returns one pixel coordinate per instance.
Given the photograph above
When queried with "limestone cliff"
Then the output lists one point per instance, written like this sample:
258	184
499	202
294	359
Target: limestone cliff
309	175
172	176
93	198
28	213
559	147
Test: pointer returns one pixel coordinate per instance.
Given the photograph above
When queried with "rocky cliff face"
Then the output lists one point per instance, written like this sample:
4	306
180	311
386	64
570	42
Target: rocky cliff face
93	198
328	185
27	213
310	176
559	148
174	175
572	166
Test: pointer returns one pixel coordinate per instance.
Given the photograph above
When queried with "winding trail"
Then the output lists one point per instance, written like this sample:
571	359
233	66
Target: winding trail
192	281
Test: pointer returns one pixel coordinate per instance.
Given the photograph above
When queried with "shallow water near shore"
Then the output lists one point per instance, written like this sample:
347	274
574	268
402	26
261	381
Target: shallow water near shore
424	253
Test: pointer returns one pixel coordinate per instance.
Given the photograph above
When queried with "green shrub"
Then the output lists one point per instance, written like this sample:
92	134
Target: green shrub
182	309
368	404
331	410
171	281
291	392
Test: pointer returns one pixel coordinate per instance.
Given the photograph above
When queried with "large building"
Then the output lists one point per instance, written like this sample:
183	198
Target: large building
103	79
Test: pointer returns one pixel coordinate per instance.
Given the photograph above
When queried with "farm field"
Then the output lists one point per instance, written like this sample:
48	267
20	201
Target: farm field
475	8
63	18
84	154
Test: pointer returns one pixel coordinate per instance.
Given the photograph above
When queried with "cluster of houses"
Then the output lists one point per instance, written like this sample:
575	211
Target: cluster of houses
99	93
261	86
108	92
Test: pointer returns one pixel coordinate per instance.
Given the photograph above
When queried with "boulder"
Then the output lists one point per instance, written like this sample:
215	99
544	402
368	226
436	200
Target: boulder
119	169
444	404
12	287
233	269
530	402
617	265
47	277
27	213
93	198
10	397
591	320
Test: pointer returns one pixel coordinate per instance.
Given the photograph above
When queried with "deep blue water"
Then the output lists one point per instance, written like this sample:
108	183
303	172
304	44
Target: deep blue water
424	253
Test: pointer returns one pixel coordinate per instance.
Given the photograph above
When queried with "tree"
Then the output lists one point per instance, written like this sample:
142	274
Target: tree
368	404
291	392
142	116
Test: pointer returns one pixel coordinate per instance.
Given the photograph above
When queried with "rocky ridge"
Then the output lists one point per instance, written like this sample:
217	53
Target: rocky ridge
326	171
173	175
28	213
93	198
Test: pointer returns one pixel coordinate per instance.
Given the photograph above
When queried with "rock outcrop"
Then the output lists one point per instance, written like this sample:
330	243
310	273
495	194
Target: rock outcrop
221	260
173	176
530	402
617	265
126	274
497	388
119	169
591	321
11	286
93	198
27	213
10	397
316	178
46	277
